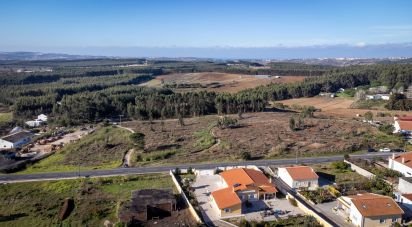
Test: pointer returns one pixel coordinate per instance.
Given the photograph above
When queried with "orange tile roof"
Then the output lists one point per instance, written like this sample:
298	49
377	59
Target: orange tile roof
225	198
407	159
239	179
405	125
405	118
408	196
301	173
373	205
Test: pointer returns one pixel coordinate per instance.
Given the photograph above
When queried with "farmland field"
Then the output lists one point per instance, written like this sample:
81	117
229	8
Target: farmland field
336	107
221	82
264	135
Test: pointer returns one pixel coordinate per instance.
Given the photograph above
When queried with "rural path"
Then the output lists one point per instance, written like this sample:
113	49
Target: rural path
128	155
13	178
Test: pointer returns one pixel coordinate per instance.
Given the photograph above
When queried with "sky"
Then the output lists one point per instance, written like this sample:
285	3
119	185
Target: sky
231	28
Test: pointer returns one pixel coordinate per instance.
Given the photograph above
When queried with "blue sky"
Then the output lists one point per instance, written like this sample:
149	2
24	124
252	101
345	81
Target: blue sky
82	25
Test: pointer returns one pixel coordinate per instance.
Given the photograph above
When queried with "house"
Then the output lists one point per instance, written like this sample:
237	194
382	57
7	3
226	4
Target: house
35	123
42	117
299	177
378	97
15	140
403	125
148	204
404	193
241	185
370	209
401	163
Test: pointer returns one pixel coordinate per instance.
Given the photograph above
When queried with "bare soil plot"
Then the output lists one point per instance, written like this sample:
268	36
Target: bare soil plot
225	82
264	135
336	107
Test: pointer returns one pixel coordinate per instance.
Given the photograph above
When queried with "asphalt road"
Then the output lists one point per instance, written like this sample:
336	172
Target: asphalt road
12	178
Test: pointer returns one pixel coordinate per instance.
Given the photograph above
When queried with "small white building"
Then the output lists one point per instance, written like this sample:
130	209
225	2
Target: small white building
404	193
401	163
378	97
299	177
16	140
369	209
42	117
35	123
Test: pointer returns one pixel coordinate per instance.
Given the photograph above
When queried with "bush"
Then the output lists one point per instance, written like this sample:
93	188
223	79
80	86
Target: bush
138	139
340	165
293	202
245	155
227	122
386	128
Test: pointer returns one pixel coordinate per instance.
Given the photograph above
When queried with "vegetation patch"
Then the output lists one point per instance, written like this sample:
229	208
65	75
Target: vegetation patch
103	149
95	200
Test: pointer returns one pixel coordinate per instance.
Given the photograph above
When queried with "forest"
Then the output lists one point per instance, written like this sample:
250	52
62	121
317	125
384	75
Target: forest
75	94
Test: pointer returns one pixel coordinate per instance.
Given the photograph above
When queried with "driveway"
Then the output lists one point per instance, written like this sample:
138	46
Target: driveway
327	209
203	186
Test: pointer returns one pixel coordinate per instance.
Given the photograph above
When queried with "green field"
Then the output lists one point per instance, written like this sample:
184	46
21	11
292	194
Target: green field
6	117
103	149
96	200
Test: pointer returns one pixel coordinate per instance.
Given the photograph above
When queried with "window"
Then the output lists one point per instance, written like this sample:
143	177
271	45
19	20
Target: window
227	210
382	220
394	219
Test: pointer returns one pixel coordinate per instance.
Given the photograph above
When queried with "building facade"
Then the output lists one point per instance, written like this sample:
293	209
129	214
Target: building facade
402	163
299	177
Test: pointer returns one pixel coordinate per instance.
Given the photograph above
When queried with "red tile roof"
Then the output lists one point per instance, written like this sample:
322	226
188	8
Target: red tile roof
405	118
408	196
373	205
239	179
302	173
405	159
225	198
405	125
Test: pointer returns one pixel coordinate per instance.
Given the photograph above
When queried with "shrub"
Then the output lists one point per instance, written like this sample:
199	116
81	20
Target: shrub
340	165
245	155
293	202
227	122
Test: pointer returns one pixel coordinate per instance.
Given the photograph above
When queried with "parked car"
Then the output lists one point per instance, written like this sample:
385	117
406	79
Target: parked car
385	150
398	150
371	150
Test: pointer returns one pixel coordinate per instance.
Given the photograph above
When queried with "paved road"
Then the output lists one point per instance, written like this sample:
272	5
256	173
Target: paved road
11	178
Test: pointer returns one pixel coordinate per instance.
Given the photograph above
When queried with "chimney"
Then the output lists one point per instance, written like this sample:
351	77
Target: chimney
403	160
393	155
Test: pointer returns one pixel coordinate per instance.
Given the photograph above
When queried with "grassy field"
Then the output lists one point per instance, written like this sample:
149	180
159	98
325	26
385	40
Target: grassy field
340	176
96	200
6	117
103	149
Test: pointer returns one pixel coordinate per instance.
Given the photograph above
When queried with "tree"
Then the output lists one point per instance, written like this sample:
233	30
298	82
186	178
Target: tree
245	155
368	116
292	124
138	139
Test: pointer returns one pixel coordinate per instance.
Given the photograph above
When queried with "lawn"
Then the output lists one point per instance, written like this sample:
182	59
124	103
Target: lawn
96	200
339	176
6	117
103	149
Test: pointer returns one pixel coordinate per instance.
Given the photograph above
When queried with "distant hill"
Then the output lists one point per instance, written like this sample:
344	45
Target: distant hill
32	56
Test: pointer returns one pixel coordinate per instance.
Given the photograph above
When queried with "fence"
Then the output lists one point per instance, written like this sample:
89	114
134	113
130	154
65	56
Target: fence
363	171
182	193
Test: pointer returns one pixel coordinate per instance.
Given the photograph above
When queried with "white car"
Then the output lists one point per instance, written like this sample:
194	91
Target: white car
385	149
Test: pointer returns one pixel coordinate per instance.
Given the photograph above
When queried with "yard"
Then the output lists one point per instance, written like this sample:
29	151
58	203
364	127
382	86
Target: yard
103	149
96	200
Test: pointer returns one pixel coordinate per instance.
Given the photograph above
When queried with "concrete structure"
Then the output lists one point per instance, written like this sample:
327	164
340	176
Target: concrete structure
369	209
404	193
241	185
299	177
403	125
148	204
35	123
15	140
401	163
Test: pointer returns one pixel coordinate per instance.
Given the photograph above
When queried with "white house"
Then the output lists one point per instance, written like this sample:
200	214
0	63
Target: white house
42	117
299	177
404	192
35	123
378	97
401	163
369	209
403	125
15	140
